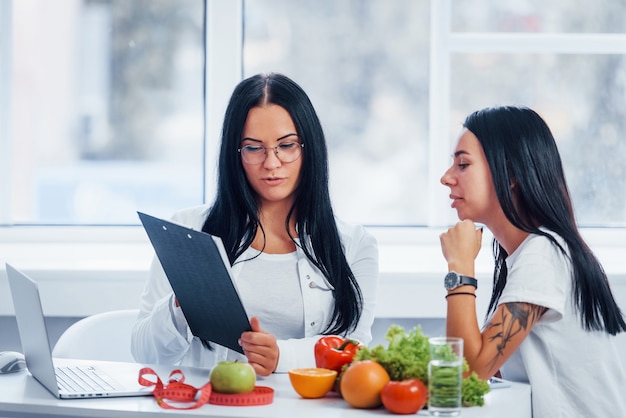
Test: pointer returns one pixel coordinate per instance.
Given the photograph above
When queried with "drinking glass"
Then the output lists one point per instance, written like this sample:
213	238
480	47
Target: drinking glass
445	374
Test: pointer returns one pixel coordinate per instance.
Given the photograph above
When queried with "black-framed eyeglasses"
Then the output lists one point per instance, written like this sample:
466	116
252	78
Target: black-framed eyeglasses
286	152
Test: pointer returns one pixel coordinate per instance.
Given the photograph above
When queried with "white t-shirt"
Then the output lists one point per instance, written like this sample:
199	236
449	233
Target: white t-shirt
270	284
572	372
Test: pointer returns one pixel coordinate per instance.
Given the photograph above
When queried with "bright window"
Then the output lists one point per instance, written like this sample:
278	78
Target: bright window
106	110
365	66
110	112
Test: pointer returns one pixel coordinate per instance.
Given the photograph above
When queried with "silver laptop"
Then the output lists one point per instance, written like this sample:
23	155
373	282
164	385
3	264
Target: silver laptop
65	378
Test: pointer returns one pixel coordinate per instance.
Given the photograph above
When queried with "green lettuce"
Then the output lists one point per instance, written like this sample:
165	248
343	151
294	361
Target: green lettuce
407	355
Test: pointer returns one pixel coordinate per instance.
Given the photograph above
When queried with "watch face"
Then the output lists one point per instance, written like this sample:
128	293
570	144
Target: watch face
451	281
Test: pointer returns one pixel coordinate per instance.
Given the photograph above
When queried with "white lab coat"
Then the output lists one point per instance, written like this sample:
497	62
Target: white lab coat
161	335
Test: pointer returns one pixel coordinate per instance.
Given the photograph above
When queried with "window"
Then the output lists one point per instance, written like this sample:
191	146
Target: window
571	67
111	113
365	66
393	81
107	110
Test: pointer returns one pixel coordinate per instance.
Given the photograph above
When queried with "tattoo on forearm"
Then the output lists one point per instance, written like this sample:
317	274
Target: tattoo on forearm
515	317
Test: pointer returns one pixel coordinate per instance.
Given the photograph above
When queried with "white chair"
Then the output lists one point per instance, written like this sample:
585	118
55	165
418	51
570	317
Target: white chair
104	336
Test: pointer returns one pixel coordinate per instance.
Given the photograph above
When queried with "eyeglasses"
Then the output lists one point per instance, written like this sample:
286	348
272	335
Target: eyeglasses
286	152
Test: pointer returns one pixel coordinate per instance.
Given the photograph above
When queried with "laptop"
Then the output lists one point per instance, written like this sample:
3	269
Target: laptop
65	378
197	267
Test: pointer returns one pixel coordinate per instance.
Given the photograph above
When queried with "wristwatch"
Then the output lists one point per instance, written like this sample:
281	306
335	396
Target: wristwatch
454	280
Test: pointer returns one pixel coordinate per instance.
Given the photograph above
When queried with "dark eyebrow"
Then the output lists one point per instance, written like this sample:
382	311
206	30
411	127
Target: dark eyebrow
459	153
277	139
286	136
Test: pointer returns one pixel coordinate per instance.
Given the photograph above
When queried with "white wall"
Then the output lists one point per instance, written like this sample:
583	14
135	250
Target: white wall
77	278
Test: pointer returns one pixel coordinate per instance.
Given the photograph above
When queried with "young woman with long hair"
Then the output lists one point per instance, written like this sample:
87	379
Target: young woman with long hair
552	317
299	270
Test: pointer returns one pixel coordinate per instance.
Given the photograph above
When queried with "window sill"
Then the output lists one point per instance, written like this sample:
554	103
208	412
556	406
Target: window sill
82	271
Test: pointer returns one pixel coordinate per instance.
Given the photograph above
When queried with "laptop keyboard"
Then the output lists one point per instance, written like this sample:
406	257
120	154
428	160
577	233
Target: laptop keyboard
83	379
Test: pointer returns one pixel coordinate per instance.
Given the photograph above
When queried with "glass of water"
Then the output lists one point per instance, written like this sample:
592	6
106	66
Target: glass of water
445	375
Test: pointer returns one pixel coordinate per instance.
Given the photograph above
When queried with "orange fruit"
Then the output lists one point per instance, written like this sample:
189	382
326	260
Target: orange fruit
313	382
362	384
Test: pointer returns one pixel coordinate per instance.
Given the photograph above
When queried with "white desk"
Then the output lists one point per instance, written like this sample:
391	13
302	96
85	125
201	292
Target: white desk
22	396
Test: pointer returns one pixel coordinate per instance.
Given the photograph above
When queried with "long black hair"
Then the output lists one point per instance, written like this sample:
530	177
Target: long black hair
234	214
521	152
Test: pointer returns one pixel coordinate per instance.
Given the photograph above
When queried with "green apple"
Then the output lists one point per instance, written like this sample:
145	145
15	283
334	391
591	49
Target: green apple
232	377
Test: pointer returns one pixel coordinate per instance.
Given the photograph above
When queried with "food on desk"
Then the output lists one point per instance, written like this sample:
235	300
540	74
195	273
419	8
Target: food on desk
407	355
233	377
313	382
405	396
332	352
362	383
363	372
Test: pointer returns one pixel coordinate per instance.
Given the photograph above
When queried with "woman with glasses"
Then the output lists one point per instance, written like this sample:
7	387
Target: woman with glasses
552	318
300	272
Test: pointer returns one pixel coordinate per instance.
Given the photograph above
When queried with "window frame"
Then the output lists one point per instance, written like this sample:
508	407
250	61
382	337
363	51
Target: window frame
6	88
224	69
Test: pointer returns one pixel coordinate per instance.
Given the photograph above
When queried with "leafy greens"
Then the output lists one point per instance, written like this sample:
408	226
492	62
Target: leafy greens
407	356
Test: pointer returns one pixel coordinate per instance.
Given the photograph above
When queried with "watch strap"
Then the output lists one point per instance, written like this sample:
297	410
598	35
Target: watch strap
467	280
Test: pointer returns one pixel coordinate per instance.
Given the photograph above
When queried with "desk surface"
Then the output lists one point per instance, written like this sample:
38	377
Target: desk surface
21	395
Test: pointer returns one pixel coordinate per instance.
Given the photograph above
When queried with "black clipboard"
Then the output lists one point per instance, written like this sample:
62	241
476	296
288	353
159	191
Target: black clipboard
198	270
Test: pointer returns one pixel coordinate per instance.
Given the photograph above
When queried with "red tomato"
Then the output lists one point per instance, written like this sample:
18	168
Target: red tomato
404	397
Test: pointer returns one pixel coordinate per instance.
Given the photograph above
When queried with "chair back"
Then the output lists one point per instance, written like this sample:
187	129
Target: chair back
103	336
